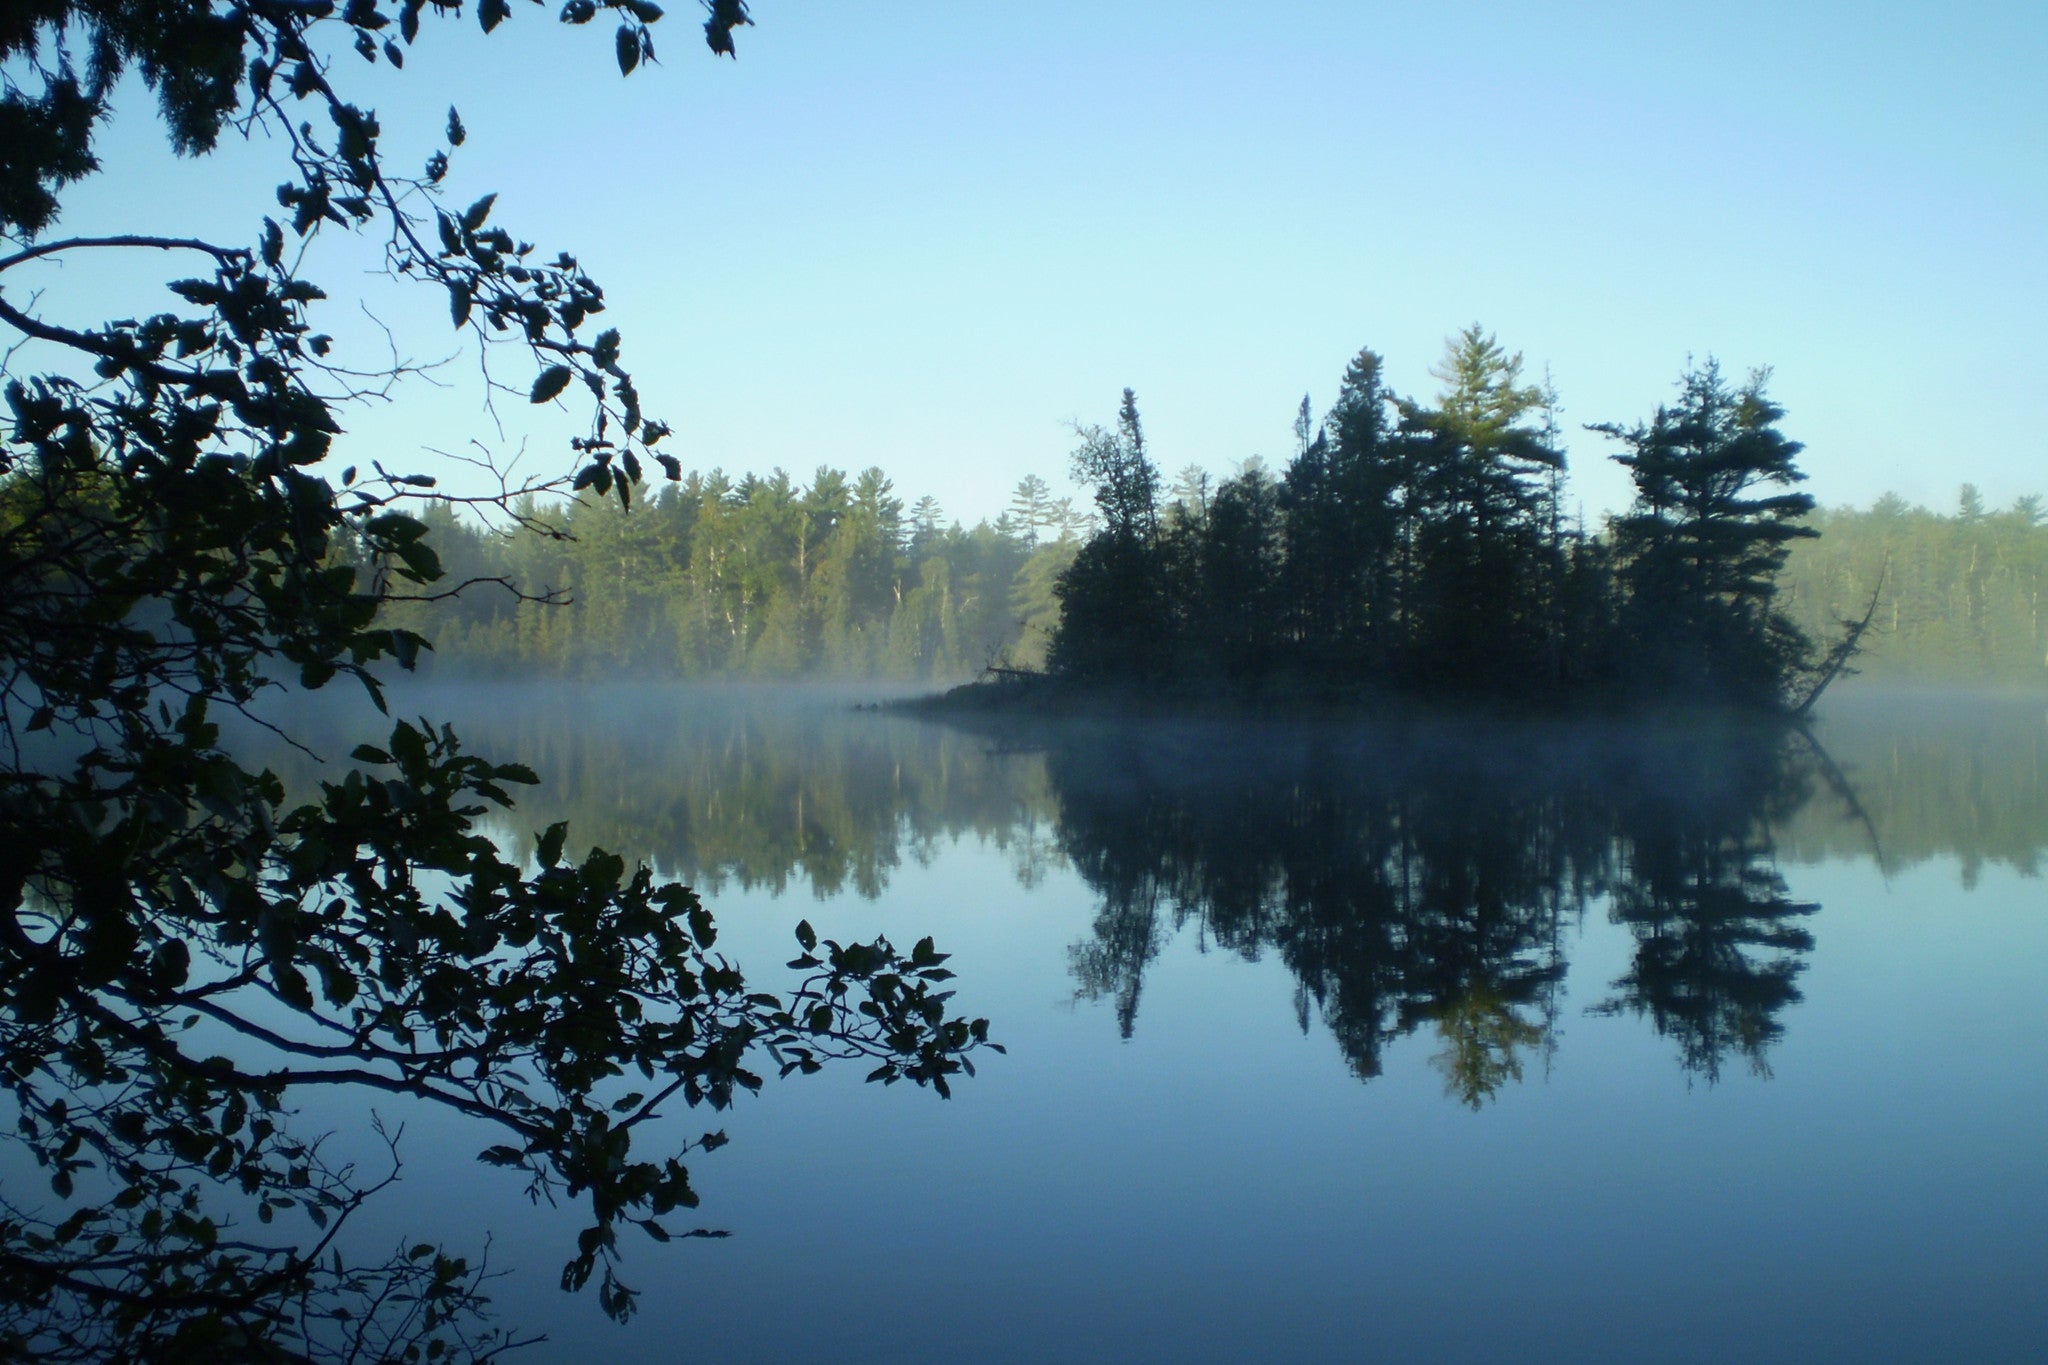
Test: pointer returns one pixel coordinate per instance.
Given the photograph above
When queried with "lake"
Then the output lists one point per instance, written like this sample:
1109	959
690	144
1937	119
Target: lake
1465	1042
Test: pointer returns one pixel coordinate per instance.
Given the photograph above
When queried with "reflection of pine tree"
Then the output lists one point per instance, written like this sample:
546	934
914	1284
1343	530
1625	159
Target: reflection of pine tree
1484	1039
1337	920
1115	834
722	790
1425	886
1412	887
1034	851
1111	964
1717	955
1394	906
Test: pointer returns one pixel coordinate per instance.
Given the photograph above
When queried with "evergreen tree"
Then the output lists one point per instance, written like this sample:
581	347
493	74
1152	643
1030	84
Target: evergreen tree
1482	570
1702	544
1343	497
1232	620
1487	455
1189	496
1113	595
1126	481
1035	602
924	525
1031	504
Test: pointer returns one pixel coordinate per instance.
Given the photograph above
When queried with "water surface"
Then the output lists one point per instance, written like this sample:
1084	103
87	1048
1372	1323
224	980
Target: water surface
1545	1042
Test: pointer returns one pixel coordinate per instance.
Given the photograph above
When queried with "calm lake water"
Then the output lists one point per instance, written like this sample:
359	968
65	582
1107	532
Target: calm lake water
1573	1043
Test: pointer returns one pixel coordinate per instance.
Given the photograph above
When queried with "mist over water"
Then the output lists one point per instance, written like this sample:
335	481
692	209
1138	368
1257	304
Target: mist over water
1701	1041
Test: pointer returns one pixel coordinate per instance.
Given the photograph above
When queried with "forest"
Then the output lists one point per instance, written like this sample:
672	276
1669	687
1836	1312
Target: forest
1424	551
1961	599
1413	547
714	577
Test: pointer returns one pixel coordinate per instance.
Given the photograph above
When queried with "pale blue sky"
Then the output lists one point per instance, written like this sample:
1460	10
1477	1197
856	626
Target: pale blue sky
928	235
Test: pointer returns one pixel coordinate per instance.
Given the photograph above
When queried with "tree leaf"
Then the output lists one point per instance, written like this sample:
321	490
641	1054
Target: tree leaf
550	384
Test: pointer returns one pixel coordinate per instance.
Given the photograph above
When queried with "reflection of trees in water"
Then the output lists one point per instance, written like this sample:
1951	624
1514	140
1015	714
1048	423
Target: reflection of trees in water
756	789
1034	847
1420	886
1424	882
1941	774
1717	951
1718	943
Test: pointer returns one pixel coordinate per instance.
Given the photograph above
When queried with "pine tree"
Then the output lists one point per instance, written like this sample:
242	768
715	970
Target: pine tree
1701	547
1031	504
1481	568
1112	597
1342	497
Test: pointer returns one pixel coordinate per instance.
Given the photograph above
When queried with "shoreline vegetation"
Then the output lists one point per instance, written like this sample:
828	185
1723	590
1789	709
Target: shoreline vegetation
1406	551
1046	696
1423	552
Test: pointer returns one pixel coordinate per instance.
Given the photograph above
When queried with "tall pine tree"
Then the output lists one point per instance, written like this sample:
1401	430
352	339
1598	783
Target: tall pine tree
1701	547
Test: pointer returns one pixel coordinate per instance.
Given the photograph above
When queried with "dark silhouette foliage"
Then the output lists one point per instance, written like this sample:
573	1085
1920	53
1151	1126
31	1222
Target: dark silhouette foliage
185	949
1422	550
1426	880
1112	599
1701	548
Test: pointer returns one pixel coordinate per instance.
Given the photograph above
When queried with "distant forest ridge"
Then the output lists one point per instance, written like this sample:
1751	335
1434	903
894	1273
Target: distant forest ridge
722	578
715	577
1962	598
1407	547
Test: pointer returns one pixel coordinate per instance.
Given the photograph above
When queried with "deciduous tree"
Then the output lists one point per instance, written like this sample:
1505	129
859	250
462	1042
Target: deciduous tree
184	952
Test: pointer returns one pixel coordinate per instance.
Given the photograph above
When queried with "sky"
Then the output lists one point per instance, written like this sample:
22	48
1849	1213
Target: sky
934	236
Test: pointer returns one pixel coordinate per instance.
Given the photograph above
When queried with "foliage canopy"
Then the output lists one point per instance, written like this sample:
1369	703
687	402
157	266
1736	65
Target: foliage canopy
1422	549
185	950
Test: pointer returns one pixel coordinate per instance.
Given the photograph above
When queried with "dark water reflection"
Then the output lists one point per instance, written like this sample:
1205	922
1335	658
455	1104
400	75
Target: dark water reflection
1413	882
1426	883
1564	1043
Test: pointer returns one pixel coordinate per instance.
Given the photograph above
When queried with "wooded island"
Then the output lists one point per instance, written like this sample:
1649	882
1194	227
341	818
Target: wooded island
1425	551
1451	523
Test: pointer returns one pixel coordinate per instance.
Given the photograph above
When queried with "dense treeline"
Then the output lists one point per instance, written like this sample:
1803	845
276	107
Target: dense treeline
755	577
1404	548
1424	549
1961	599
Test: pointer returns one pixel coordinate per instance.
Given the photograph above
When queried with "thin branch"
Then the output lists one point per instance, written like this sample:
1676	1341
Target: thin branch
96	345
225	255
220	1069
553	598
